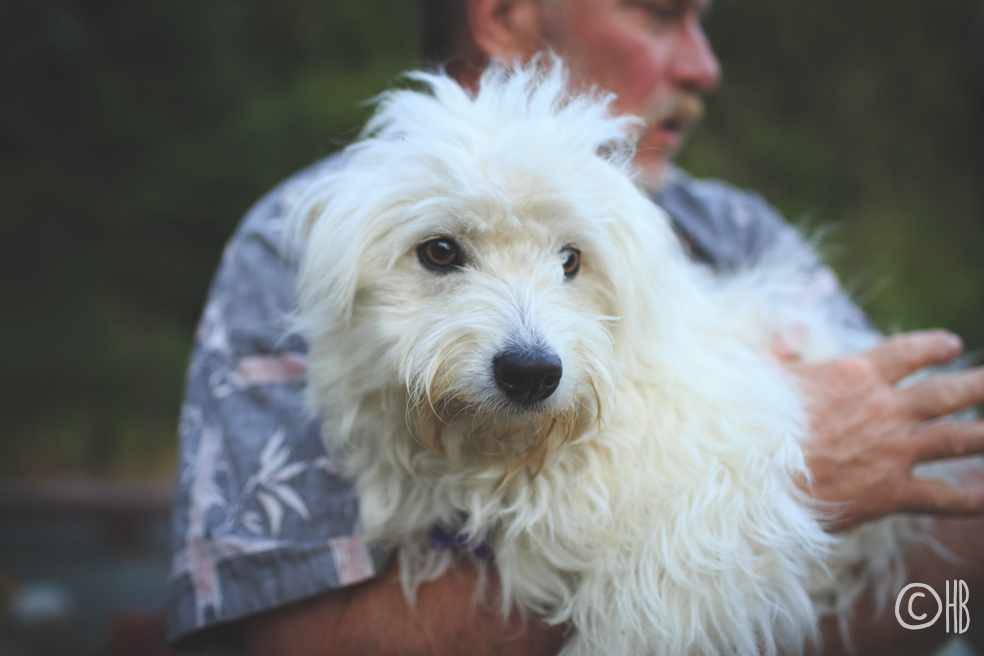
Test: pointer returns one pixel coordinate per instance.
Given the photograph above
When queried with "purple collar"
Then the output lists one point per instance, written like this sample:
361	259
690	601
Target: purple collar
442	537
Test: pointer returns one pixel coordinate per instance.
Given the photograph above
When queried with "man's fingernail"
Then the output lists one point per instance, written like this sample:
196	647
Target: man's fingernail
954	341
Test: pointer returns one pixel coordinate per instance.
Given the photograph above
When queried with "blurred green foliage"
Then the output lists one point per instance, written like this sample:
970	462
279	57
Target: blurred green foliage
133	136
867	116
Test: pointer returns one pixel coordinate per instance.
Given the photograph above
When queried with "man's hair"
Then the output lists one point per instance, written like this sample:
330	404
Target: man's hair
441	28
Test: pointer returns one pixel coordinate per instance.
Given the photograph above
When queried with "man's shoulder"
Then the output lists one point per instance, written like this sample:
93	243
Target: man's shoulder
253	288
723	225
267	215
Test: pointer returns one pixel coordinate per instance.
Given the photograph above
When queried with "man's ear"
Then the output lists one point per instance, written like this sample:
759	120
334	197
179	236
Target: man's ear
508	30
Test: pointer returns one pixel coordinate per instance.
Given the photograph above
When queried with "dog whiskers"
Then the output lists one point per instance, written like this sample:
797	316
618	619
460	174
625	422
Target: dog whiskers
433	406
431	422
598	406
540	448
437	364
431	439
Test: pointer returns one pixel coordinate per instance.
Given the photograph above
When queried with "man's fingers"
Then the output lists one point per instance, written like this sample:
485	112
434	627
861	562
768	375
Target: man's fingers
948	440
945	394
939	498
784	352
902	355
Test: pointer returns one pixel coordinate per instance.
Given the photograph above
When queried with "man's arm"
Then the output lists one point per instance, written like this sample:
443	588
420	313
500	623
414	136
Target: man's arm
868	434
880	634
375	618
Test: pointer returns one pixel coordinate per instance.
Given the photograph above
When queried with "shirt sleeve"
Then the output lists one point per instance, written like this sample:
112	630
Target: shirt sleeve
262	513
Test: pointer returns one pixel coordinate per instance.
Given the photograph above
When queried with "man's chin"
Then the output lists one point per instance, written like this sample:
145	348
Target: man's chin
651	169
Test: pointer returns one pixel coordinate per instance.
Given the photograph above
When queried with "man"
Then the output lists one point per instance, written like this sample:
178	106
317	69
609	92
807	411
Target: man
262	518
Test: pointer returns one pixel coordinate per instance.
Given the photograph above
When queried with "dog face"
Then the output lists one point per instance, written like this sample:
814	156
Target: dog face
495	317
478	274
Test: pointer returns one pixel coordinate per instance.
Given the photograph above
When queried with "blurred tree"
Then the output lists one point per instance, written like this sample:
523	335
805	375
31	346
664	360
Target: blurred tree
133	136
867	116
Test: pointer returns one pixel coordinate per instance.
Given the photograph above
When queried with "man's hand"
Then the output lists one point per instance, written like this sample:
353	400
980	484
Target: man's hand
868	433
375	618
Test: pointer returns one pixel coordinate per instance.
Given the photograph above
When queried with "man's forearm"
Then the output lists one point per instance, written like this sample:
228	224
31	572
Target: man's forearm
375	618
877	634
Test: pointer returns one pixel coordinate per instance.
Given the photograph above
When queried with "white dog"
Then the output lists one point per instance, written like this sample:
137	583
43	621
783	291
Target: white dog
508	341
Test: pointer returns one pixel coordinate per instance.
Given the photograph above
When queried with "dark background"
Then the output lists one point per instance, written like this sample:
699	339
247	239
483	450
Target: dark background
134	135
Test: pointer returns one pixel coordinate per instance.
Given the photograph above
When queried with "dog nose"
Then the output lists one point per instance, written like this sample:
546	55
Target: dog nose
527	375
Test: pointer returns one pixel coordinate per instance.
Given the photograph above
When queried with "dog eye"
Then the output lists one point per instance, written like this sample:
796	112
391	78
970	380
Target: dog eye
572	261
440	254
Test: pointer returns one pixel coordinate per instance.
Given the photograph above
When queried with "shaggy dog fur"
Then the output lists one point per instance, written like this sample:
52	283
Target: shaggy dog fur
649	501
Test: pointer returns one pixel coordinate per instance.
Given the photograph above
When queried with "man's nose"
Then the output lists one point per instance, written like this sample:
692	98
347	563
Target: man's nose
695	67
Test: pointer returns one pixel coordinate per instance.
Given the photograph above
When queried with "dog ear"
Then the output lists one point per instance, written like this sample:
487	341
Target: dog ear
328	242
655	294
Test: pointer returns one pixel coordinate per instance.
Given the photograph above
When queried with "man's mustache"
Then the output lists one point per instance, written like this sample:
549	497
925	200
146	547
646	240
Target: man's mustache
678	107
